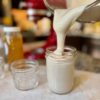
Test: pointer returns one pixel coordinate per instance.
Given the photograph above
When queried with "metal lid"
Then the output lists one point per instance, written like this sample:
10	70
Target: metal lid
11	29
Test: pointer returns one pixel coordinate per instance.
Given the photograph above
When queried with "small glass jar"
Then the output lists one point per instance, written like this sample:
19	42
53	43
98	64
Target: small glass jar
2	64
60	70
24	74
13	43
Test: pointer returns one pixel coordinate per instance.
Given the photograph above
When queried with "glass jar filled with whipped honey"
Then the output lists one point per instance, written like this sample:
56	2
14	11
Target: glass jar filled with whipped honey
13	43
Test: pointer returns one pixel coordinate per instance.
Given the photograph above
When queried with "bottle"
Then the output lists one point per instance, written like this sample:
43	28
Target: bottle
14	43
2	56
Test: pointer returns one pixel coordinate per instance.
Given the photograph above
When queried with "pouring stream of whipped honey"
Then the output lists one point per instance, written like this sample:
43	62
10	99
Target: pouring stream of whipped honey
63	20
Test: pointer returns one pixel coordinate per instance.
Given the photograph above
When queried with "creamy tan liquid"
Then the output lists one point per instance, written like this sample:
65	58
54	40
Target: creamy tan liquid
63	20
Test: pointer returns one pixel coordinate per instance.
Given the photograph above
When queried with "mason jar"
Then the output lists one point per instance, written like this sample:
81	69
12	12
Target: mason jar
13	43
60	70
25	74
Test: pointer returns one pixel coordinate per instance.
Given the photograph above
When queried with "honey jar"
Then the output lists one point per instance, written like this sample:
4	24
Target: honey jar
13	43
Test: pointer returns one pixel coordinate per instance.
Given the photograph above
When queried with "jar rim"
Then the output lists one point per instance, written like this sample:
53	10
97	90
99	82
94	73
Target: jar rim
69	51
11	29
66	49
29	65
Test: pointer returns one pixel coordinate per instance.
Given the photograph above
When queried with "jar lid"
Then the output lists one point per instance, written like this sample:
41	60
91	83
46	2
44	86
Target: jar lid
11	29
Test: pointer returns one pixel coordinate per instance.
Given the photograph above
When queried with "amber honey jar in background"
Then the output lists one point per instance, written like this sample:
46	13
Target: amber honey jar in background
13	43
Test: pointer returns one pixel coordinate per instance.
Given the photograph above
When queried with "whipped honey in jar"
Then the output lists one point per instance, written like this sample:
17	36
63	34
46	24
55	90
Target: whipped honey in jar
60	70
60	61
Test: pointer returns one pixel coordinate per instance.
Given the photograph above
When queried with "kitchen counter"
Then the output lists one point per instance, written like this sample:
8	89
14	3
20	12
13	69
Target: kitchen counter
86	87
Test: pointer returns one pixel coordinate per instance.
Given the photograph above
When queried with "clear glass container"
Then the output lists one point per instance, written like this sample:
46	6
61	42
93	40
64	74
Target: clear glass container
60	70
2	63
2	56
2	50
24	74
13	43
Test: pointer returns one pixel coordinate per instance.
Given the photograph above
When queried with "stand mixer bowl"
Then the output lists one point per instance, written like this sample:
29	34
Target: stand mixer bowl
91	13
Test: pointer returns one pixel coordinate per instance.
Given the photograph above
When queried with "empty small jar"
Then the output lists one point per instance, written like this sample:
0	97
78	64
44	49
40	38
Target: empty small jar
24	74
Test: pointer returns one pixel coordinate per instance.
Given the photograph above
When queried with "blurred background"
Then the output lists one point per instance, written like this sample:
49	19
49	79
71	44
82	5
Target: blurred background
35	21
